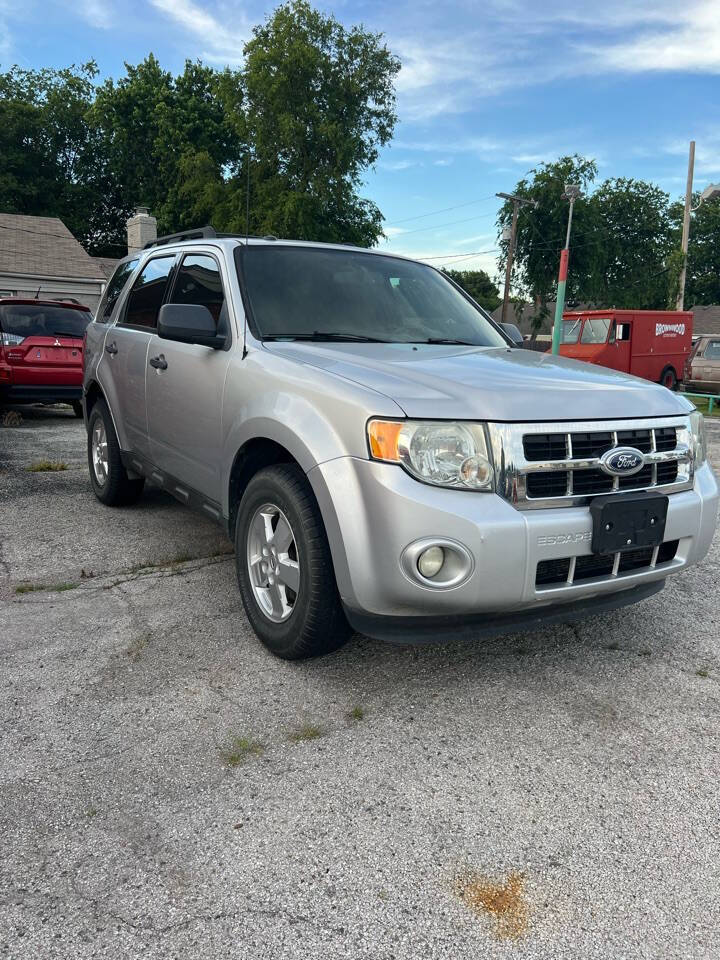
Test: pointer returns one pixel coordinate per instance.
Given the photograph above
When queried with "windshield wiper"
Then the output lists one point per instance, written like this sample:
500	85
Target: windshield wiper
320	335
449	340
66	333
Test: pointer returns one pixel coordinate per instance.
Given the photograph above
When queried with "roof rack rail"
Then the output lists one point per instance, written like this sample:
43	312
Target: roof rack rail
197	234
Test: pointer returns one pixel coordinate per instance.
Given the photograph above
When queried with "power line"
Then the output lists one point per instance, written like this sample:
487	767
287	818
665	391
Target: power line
451	223
432	213
451	256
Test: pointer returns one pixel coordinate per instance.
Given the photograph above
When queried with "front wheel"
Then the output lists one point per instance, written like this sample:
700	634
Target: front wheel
108	477
668	378
284	567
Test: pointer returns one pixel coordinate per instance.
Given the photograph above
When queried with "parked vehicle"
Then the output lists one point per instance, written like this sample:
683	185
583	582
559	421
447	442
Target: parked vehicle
703	367
381	455
41	350
652	344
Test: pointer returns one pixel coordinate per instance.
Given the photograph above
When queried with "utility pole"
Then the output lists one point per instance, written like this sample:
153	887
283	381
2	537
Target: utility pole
686	226
572	192
517	202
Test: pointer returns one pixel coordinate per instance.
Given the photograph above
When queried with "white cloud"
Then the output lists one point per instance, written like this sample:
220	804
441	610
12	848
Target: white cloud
391	232
444	162
396	165
689	42
222	43
98	13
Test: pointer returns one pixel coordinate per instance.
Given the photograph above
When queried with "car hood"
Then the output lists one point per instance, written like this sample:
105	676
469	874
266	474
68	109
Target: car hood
499	384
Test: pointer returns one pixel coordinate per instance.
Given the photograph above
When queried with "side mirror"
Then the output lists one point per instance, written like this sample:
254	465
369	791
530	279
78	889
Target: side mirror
512	331
189	323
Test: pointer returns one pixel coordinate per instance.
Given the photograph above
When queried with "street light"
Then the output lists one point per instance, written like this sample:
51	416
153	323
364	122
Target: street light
572	193
711	192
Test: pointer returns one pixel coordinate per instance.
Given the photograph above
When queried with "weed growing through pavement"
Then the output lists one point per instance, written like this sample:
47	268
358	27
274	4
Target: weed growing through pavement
137	647
239	750
702	672
306	732
504	902
47	466
357	713
45	587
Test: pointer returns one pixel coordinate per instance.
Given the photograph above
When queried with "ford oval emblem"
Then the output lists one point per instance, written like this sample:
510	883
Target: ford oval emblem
622	461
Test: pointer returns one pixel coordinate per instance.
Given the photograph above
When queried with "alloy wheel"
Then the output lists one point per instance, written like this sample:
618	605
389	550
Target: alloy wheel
273	563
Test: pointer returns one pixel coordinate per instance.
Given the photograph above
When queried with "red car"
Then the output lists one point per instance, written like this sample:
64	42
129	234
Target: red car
41	351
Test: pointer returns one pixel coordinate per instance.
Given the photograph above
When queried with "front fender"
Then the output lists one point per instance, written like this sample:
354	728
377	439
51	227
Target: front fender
316	416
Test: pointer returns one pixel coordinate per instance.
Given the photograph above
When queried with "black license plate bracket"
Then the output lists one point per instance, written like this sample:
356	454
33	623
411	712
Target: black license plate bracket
628	521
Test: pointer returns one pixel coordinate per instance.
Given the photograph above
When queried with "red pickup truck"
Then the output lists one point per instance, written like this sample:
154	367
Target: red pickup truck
653	344
41	350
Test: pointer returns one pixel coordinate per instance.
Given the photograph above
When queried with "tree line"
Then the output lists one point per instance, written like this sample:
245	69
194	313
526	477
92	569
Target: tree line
295	128
625	243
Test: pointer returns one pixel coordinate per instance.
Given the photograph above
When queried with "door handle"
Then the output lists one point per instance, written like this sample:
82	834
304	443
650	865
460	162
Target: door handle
160	363
111	348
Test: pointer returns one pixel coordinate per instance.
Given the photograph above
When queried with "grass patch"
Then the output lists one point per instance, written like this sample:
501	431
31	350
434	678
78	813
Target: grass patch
504	901
702	672
137	647
357	713
307	731
238	751
703	405
45	587
47	466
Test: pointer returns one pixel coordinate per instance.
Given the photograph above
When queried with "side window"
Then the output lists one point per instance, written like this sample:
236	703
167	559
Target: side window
712	350
113	290
199	282
148	291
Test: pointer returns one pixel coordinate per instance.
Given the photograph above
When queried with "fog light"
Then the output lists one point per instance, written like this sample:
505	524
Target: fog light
430	562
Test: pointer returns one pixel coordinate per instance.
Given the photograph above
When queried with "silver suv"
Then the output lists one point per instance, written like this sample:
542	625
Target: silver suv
383	457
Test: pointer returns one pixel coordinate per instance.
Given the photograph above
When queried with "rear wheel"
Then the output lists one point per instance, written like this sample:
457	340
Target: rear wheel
668	378
108	476
284	566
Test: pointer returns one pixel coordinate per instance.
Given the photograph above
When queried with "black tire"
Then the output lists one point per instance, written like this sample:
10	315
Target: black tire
77	409
317	623
668	378
117	489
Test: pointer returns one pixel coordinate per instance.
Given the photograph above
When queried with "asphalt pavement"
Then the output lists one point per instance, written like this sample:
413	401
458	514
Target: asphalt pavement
168	789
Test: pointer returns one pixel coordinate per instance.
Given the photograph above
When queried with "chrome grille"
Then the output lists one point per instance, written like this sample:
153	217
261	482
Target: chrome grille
565	571
558	464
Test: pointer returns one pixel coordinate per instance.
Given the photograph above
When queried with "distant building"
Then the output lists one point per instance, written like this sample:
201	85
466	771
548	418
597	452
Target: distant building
706	320
40	254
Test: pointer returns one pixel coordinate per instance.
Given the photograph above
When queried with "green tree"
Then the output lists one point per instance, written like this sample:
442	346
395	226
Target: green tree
702	283
319	102
478	285
541	231
48	145
633	237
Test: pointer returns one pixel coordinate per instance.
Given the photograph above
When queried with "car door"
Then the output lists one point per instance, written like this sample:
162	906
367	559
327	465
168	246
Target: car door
184	392
709	365
125	354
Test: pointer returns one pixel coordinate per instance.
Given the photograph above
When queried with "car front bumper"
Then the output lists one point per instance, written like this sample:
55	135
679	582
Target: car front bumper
373	511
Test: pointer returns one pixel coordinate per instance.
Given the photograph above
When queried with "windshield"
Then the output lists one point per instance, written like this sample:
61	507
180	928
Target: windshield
595	330
21	320
309	293
571	330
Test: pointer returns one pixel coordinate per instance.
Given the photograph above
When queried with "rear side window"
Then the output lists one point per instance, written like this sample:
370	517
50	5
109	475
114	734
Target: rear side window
22	320
147	294
712	351
113	290
199	282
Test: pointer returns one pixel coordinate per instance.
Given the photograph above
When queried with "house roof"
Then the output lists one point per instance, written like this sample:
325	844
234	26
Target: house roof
706	320
106	264
43	247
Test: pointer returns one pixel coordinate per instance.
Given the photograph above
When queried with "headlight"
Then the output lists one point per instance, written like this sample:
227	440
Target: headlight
446	454
697	429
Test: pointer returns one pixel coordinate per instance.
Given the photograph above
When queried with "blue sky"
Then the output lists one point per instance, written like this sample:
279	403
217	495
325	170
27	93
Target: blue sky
487	90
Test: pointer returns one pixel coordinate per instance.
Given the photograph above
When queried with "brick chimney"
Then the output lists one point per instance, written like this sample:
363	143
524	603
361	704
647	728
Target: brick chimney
141	229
